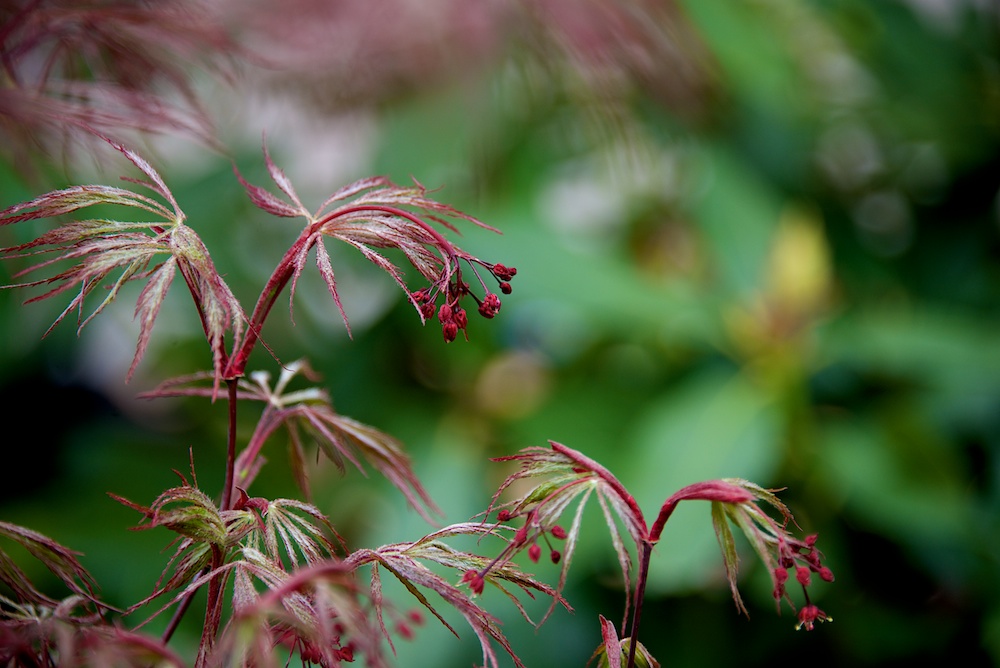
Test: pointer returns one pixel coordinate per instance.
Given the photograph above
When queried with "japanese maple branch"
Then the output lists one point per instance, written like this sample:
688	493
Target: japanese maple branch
286	269
713	490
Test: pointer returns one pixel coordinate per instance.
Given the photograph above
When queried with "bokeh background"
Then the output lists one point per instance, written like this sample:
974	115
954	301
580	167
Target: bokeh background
755	239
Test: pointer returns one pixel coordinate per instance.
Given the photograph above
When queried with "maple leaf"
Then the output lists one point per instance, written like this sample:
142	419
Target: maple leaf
408	562
310	412
99	247
371	215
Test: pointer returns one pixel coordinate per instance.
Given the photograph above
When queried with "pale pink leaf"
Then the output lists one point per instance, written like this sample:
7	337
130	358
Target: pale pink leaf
266	201
148	306
326	271
612	645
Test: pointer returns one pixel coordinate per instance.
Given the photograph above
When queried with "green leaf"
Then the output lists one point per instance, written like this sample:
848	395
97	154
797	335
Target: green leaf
189	512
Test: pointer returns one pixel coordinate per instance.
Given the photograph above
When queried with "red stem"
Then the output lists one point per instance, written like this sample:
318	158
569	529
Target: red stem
710	490
227	487
213	613
665	512
640	593
178	615
268	296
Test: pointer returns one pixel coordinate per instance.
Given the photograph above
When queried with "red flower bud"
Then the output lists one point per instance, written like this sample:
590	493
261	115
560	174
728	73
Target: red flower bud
505	287
825	574
460	318
450	331
444	315
504	515
504	273
490	306
558	532
802	575
555	556
534	552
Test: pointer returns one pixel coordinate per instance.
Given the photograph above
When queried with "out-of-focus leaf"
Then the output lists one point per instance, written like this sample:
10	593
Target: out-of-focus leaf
879	480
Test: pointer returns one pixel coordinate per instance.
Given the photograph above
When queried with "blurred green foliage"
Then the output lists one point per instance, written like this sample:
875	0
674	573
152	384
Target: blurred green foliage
792	277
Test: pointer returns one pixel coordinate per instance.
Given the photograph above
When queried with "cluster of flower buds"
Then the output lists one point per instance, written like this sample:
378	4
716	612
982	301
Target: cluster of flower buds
528	536
452	316
805	559
503	274
535	550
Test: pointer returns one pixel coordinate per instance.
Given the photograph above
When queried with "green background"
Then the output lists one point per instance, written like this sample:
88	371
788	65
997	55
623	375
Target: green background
782	267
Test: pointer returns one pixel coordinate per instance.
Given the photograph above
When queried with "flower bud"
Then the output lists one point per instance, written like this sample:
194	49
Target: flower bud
534	552
490	306
505	287
558	532
555	556
504	273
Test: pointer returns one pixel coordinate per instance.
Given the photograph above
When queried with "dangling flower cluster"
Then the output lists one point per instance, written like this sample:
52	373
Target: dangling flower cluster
527	535
535	550
451	288
805	559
